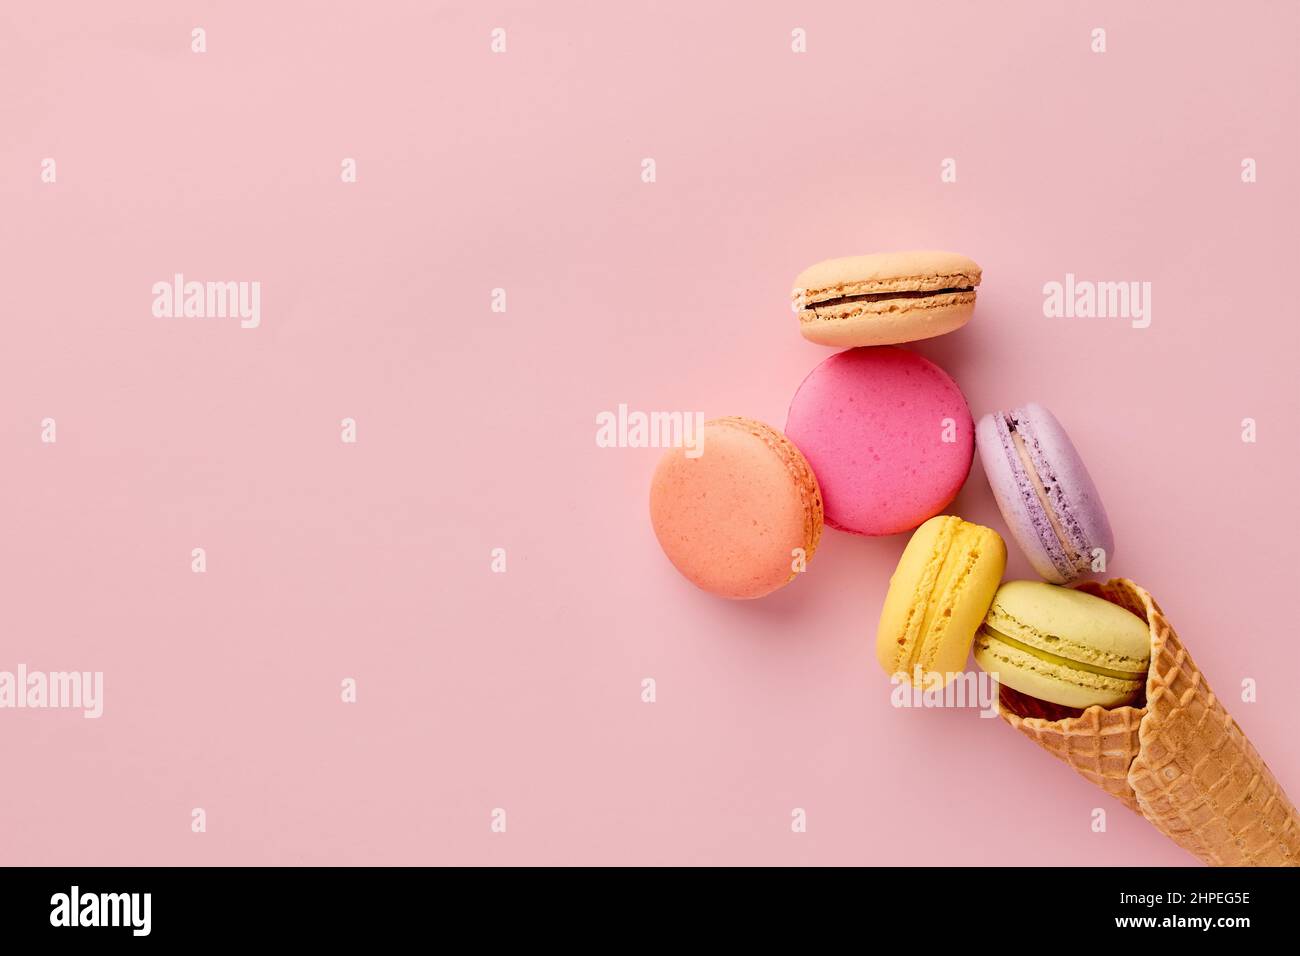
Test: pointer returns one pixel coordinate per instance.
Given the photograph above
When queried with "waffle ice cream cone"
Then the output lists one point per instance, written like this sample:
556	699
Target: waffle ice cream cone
1180	759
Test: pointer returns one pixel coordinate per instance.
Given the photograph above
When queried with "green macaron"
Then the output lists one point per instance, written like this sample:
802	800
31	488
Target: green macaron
1064	646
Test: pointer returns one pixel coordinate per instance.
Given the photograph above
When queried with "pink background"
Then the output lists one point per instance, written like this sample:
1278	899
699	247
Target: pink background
476	430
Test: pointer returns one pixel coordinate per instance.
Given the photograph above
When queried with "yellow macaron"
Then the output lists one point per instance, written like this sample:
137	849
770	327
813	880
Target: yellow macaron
1064	646
937	598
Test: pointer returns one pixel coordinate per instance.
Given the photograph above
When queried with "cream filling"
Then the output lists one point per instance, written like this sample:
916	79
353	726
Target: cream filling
911	643
955	563
1050	658
1022	450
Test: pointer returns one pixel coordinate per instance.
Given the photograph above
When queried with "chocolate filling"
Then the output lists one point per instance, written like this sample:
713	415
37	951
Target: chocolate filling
882	296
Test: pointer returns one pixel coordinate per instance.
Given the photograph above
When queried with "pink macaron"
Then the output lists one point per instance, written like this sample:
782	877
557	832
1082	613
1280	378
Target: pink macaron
889	436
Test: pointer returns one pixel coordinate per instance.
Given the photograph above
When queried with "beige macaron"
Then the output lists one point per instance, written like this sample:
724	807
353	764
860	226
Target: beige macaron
886	298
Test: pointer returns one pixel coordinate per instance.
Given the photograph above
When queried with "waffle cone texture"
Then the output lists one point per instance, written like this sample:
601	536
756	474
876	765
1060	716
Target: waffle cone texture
1180	759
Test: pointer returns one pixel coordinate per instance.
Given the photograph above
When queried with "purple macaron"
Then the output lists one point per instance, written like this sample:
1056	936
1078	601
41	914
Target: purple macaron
1045	493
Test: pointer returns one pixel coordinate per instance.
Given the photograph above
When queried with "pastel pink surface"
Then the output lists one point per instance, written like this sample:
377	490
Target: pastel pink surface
888	434
730	519
523	690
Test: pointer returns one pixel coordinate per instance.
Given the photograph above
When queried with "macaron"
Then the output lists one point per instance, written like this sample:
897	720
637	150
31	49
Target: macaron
1045	493
889	435
742	518
937	597
886	298
1064	646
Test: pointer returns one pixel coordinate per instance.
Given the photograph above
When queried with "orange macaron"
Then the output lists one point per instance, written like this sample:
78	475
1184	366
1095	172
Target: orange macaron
741	518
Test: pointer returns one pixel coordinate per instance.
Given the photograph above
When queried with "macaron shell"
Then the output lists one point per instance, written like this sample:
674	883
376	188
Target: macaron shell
1078	502
1072	623
915	271
1046	681
937	597
730	519
872	422
886	323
